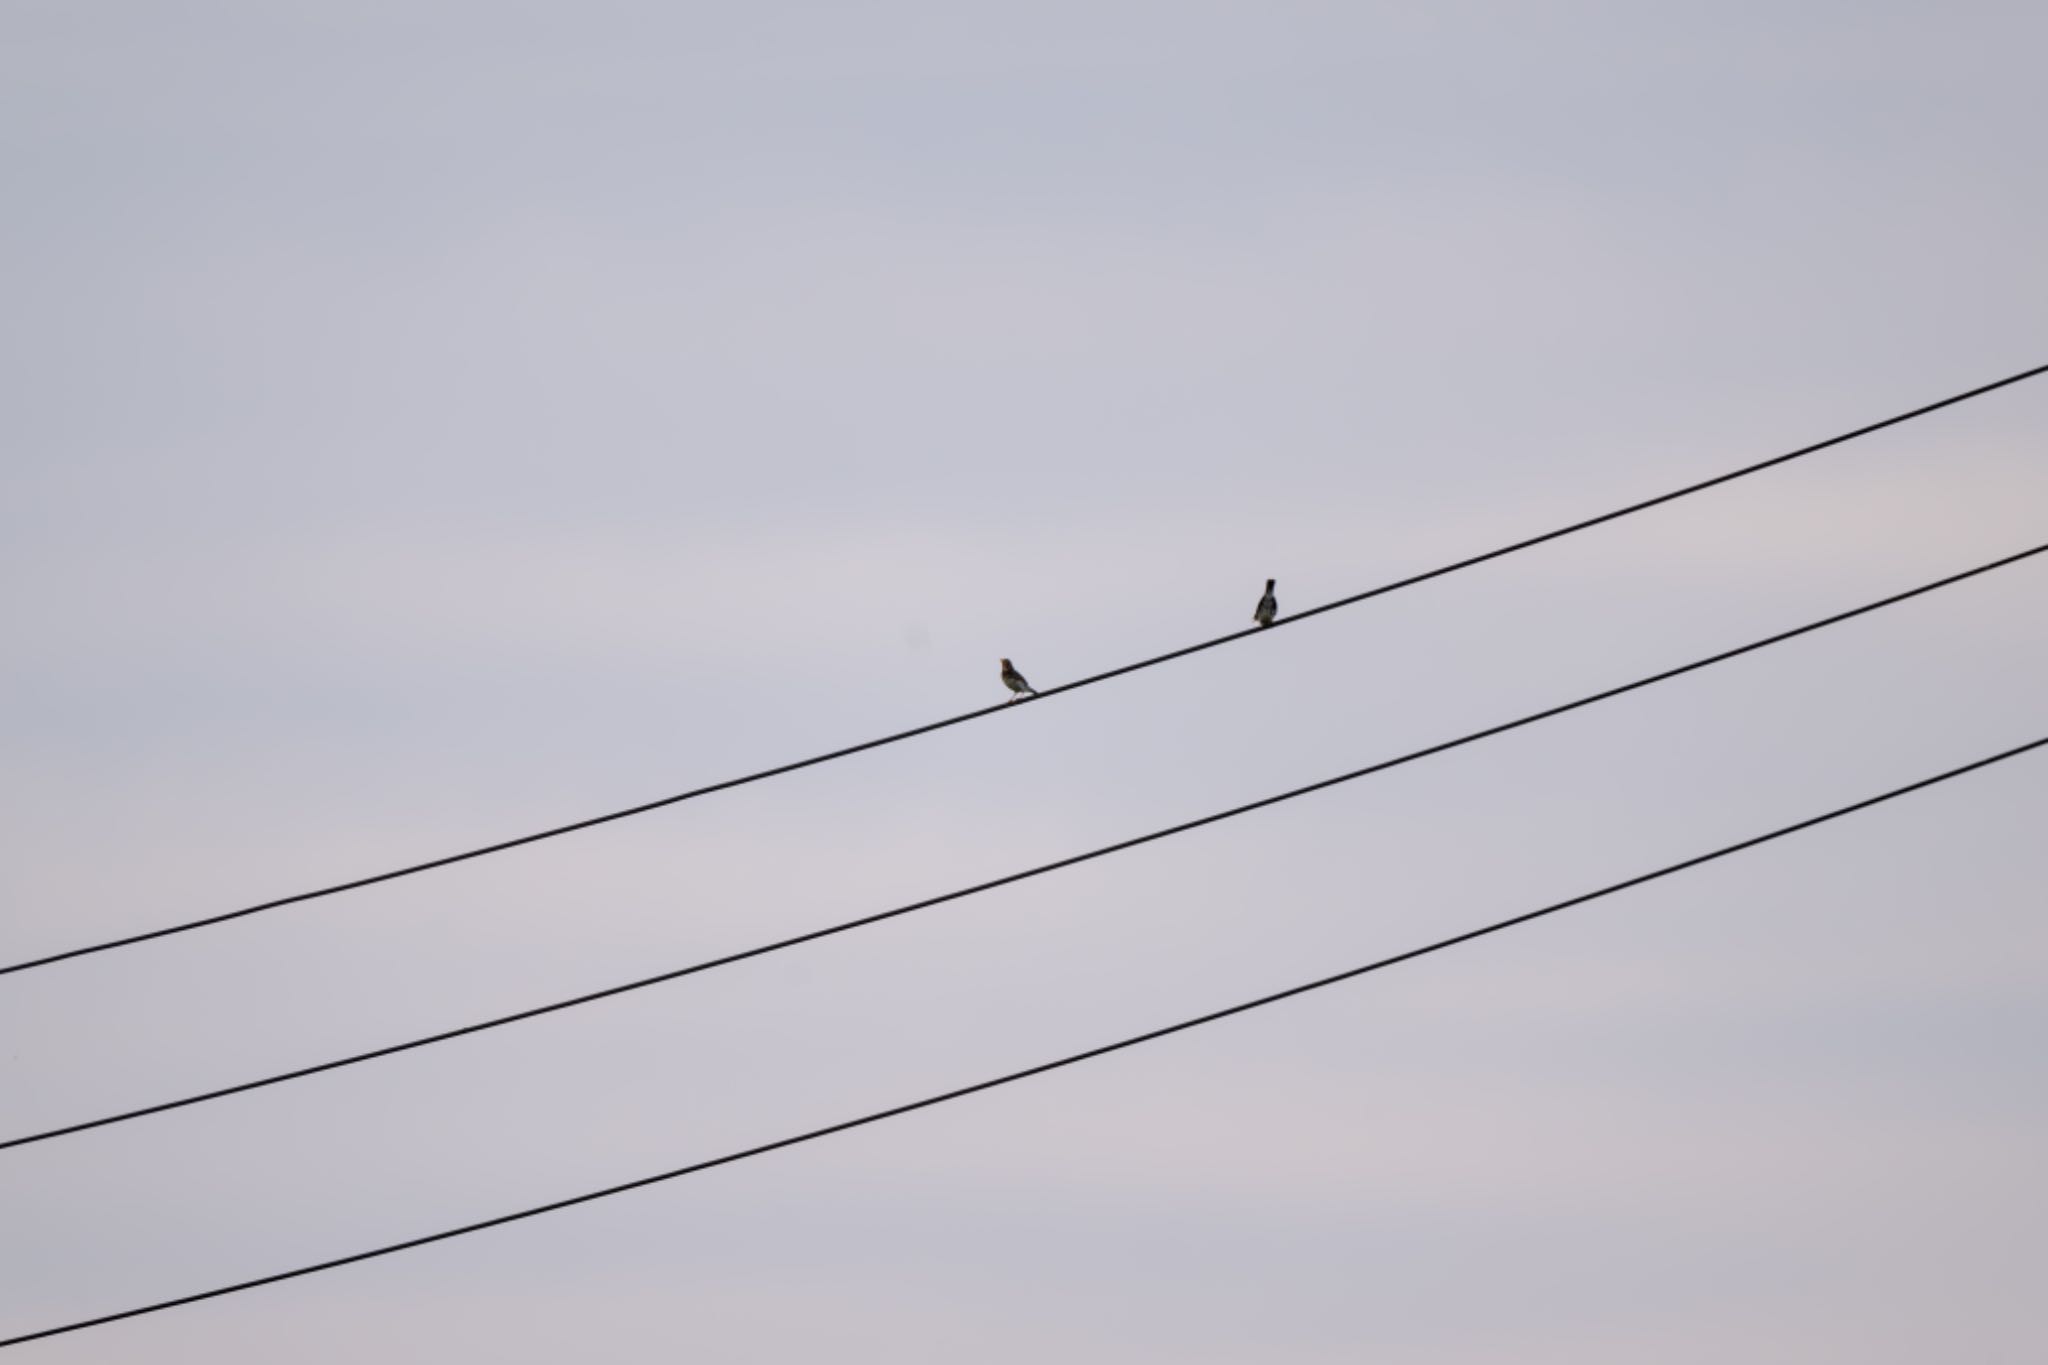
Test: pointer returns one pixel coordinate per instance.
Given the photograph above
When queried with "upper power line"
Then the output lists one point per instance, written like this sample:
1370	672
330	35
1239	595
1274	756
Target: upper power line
761	950
1089	681
1042	1068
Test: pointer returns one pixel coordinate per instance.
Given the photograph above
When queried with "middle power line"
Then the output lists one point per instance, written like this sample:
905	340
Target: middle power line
844	926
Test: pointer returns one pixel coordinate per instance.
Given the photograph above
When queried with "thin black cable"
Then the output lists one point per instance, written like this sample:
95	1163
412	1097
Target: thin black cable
994	708
1040	1069
1040	870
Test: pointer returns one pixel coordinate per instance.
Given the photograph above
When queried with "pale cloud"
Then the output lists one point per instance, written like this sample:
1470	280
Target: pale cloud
432	422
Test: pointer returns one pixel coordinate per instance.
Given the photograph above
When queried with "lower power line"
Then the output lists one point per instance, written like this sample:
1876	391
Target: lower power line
962	1092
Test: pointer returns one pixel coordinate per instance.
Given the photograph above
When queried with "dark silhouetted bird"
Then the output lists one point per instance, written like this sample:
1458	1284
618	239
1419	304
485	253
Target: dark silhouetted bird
1268	607
1014	680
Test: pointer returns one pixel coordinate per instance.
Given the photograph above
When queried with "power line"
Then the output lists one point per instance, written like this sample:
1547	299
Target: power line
1089	681
1009	878
1043	1067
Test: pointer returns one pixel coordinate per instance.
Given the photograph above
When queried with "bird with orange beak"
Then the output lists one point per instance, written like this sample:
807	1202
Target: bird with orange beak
1014	680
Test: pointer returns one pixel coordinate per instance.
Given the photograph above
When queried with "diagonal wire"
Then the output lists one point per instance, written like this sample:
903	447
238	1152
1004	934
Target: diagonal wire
1043	1067
762	950
1089	681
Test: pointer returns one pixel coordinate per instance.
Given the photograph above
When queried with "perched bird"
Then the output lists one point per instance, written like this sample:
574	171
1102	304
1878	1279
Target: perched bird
1014	680
1268	608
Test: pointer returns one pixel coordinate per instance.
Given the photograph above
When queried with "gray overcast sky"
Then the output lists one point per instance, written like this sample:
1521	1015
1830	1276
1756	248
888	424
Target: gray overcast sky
428	421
